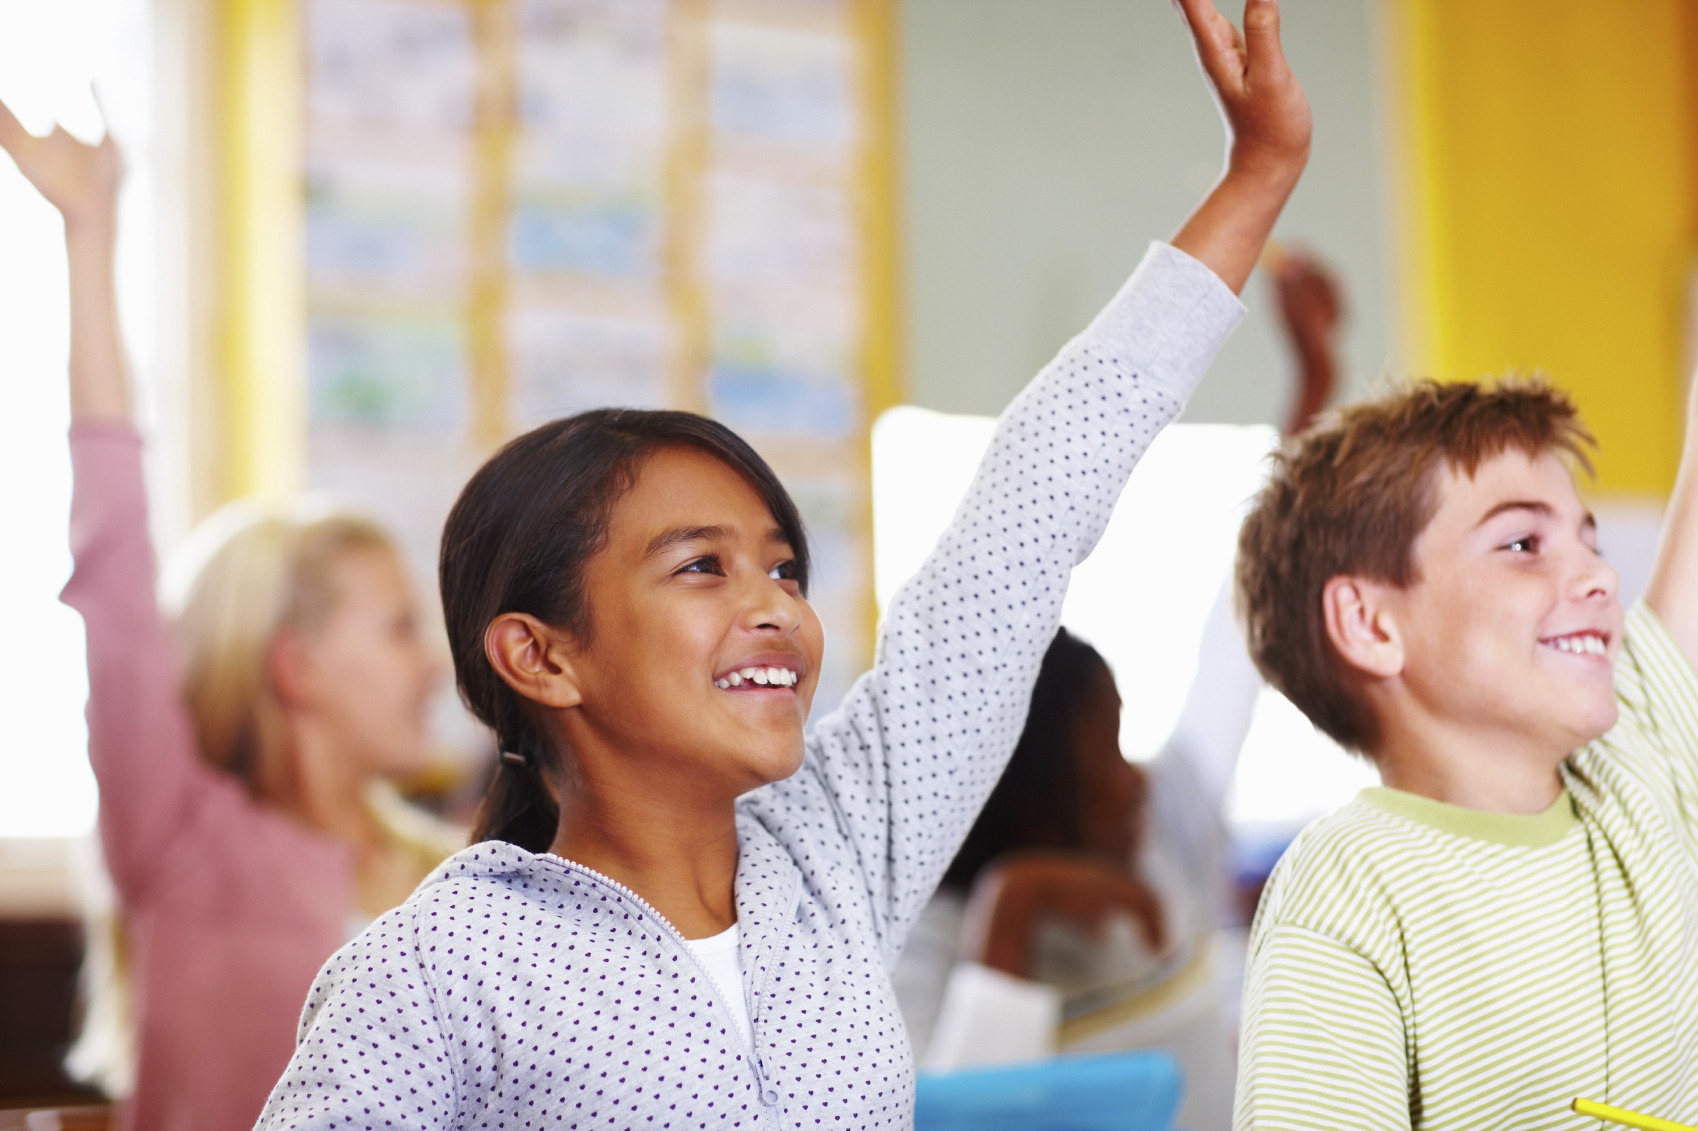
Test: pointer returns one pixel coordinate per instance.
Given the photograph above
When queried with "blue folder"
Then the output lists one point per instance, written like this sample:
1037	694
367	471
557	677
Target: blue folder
1122	1091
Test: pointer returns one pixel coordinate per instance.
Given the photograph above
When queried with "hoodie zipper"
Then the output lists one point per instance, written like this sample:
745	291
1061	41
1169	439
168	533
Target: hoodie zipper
768	1094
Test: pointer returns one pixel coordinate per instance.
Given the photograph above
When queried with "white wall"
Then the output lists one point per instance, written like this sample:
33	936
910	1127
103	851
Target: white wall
1045	142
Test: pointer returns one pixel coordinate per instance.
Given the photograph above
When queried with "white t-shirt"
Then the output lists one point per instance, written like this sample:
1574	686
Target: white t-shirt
719	953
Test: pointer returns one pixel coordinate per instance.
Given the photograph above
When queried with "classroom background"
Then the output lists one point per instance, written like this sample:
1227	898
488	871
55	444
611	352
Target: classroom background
366	241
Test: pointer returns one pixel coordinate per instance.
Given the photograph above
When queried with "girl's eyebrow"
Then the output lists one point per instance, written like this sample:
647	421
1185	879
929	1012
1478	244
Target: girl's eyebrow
669	538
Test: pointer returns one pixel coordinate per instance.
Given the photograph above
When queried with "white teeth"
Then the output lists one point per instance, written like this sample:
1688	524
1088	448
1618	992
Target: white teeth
761	677
1583	645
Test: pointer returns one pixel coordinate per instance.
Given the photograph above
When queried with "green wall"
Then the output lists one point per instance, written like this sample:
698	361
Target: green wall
1045	142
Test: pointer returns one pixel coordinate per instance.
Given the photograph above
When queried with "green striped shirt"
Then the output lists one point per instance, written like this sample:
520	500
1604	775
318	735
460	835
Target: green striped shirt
1419	965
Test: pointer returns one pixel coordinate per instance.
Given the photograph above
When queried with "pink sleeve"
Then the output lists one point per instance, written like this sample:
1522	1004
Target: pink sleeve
153	784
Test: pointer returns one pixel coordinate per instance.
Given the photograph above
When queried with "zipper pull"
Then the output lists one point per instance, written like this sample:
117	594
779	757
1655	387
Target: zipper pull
769	1094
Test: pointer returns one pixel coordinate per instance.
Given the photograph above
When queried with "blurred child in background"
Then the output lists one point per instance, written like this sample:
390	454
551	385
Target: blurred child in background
236	755
1084	900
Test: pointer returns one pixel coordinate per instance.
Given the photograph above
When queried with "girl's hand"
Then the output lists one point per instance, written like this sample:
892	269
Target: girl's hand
1267	115
1267	125
1013	896
80	180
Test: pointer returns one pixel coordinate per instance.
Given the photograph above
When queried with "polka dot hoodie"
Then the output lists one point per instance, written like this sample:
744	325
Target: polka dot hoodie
517	991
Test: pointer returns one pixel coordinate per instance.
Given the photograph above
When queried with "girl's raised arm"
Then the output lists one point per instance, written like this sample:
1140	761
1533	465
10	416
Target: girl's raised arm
140	740
81	181
907	761
1267	136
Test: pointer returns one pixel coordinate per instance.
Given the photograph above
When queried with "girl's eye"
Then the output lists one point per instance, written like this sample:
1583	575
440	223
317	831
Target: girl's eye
1526	545
783	571
706	564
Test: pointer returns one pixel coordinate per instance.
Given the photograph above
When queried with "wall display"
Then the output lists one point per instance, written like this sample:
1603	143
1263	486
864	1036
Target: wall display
390	95
519	209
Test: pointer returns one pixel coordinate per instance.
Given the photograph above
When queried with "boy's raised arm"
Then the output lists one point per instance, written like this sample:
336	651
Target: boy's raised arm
1673	589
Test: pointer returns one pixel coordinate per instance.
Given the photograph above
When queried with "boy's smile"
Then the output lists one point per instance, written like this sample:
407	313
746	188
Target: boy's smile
1508	635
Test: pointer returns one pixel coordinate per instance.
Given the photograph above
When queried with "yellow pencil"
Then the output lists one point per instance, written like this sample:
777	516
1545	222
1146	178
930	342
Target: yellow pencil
1626	1118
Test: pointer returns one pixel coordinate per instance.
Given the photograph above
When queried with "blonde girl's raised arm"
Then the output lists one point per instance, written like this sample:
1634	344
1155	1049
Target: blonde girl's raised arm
141	743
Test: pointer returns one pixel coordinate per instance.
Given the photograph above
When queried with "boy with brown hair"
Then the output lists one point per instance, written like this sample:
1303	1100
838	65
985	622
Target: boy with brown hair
1511	921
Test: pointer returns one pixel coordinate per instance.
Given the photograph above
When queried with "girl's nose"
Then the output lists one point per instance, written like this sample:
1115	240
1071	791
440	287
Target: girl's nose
771	607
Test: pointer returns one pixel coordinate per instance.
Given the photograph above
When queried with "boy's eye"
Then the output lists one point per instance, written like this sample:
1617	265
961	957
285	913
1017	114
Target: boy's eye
783	571
1526	545
708	563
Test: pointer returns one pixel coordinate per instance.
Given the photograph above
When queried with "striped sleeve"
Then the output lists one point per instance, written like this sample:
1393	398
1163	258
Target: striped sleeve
1323	1039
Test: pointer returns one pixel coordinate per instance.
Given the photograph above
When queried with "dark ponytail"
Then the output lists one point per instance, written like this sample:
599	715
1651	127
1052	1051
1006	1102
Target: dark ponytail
517	541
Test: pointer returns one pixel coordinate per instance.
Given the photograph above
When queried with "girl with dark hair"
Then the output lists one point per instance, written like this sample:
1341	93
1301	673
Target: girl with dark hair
690	908
1082	906
1081	913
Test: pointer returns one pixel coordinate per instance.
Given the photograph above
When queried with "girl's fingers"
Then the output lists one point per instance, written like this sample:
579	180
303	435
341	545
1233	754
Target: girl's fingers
12	132
1216	41
1264	57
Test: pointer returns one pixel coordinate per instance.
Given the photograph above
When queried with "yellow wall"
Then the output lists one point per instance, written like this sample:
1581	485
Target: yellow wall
260	317
1545	197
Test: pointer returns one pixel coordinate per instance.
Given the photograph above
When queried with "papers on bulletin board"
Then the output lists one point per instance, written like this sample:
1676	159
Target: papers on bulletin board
394	63
391	371
399	228
778	231
783	84
592	91
616	235
565	362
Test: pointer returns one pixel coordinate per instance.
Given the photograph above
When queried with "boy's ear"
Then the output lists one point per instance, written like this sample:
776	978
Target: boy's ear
1360	625
534	659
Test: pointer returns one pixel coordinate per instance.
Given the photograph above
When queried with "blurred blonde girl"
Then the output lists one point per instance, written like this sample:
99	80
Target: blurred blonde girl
236	755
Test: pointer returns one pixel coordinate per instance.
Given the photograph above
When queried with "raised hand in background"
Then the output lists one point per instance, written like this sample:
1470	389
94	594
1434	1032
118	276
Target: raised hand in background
81	181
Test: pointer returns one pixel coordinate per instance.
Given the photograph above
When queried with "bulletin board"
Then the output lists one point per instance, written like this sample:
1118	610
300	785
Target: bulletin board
513	210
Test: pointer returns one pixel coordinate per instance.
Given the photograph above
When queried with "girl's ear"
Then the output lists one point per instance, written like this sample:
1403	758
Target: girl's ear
289	667
1361	627
534	659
